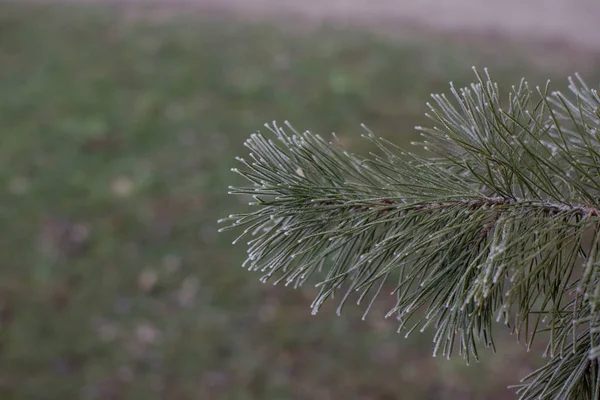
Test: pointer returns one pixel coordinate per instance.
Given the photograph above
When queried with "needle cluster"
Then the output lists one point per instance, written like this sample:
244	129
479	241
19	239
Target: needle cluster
500	224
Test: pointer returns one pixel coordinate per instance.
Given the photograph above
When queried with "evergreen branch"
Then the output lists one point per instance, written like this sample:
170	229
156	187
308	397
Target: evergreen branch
496	227
573	376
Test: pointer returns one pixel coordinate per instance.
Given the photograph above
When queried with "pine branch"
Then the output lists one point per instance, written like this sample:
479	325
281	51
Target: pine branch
502	224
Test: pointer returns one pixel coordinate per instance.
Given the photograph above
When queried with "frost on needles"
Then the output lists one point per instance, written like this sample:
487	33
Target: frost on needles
501	224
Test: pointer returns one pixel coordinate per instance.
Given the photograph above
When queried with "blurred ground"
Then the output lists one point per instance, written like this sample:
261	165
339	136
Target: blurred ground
574	22
119	129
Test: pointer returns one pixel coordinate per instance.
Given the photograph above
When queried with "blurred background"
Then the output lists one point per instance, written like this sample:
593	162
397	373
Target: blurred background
120	122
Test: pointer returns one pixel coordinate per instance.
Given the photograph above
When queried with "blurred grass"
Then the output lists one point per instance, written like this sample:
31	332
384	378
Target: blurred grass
118	135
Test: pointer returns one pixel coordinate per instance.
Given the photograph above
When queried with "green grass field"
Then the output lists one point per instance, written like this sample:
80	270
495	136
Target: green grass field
118	136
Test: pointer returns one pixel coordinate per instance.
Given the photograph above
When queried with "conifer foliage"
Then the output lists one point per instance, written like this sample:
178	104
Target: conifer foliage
500	224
